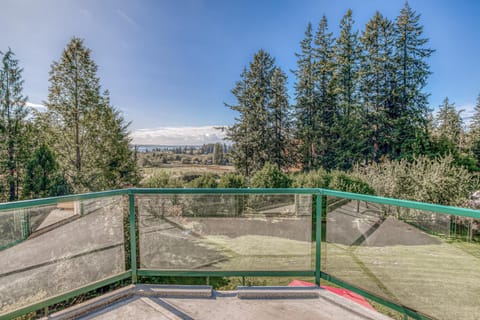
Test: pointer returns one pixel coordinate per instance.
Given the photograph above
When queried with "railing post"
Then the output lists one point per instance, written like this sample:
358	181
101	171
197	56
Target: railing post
318	237
133	237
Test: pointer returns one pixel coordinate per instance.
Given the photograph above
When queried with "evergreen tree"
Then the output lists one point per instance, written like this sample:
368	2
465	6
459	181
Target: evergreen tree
240	132
74	94
250	130
218	153
325	109
449	127
42	178
474	132
306	101
475	122
347	58
279	133
13	114
412	75
348	118
116	165
476	151
378	84
88	135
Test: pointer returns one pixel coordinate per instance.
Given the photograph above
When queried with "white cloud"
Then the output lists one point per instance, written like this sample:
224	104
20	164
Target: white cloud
39	107
467	110
127	18
179	135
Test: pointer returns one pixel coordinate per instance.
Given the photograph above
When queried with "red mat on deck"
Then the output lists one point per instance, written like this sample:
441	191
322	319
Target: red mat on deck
341	292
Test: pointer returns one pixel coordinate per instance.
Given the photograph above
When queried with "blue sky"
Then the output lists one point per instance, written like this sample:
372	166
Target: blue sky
173	63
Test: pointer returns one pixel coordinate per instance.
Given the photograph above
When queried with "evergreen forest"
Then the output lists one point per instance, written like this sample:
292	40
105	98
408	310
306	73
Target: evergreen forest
360	106
80	143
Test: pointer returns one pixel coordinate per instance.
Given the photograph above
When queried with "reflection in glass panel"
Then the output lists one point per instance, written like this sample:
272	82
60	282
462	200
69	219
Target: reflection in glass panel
12	227
425	260
225	232
44	218
64	251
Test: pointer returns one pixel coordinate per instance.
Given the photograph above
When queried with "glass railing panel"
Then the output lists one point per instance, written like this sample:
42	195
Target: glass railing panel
226	232
68	246
13	227
427	261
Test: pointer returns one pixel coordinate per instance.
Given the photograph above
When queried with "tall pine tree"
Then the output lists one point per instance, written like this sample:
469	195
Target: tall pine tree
378	84
449	128
249	133
13	114
475	132
279	134
306	101
88	135
475	122
411	54
347	58
348	119
116	165
325	108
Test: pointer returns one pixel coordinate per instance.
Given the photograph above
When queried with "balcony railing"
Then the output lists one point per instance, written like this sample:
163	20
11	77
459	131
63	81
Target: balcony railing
420	259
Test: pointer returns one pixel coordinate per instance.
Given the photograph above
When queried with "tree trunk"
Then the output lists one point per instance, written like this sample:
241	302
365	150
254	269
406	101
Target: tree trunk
11	170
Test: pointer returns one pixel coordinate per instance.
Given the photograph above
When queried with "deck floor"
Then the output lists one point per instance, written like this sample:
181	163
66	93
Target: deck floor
220	305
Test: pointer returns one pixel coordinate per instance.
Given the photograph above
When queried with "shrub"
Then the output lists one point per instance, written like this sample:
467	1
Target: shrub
314	179
162	179
270	177
428	180
336	180
232	180
146	162
344	182
204	181
467	162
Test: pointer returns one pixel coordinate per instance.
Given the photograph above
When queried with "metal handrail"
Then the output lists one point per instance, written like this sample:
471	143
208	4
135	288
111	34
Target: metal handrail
134	271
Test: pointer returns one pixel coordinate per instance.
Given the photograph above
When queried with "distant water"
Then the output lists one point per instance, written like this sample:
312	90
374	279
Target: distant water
151	147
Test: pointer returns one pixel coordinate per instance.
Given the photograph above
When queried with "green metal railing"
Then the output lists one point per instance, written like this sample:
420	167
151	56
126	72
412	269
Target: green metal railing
322	246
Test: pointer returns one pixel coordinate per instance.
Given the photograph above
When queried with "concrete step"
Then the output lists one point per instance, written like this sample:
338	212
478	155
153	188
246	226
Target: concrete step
174	291
279	292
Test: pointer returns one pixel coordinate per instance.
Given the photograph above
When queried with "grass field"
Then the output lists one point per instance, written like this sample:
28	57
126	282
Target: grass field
180	170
